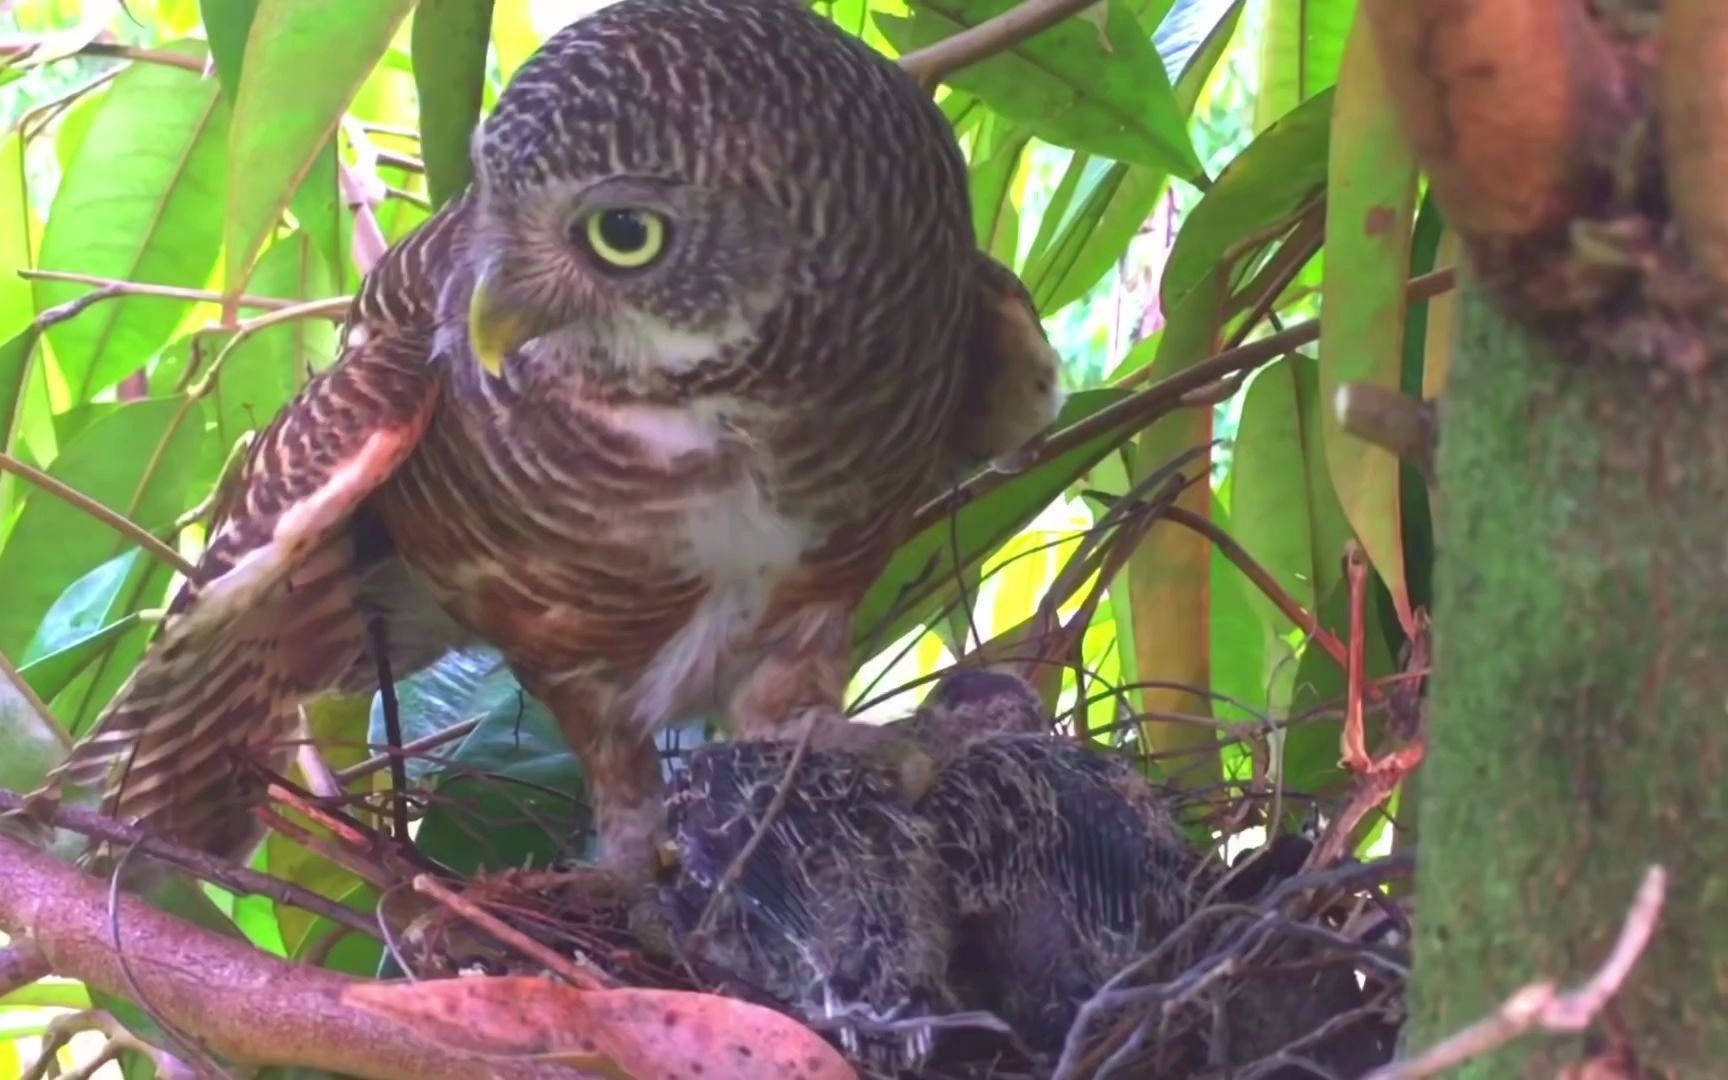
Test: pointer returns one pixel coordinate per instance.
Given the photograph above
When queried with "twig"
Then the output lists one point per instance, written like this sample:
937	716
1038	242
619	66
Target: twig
1540	1006
1353	736
166	292
413	749
932	64
711	910
121	524
236	879
562	966
377	638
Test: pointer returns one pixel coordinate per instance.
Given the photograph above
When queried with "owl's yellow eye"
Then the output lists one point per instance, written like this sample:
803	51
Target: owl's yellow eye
625	238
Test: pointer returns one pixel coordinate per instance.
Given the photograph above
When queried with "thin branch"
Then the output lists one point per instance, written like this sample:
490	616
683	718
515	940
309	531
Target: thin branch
936	62
417	748
1262	579
562	966
121	524
167	292
1540	1006
236	879
1146	405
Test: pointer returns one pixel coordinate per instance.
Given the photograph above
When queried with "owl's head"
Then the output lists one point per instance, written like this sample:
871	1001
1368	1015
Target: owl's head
666	184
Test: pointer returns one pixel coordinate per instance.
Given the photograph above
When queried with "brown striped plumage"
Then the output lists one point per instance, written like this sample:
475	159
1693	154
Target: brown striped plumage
684	475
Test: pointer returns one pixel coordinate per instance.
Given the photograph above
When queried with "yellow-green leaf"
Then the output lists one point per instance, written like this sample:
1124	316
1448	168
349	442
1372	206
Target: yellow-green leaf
1371	203
282	118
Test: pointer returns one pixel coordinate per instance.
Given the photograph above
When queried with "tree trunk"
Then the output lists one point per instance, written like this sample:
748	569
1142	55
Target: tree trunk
1578	719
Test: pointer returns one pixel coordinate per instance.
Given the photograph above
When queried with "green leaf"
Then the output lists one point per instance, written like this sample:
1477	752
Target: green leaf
1098	89
450	38
34	743
1301	52
78	706
283	118
149	221
512	794
1115	210
50	674
262	373
138	459
227	24
1370	207
16	226
1284	509
1279	173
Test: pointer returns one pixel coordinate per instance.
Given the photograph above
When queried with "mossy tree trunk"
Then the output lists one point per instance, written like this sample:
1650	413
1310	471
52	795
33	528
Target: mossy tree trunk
1579	719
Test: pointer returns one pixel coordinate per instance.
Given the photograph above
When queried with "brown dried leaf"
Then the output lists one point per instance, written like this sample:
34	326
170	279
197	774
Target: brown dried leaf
669	1034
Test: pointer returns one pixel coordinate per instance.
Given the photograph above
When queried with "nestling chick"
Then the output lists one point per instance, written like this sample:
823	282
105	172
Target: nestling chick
1063	865
838	914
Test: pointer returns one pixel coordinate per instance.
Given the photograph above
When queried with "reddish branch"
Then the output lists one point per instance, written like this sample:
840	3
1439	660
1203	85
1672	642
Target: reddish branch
245	1005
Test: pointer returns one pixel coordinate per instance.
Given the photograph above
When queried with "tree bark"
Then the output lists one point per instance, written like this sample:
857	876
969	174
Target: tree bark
1577	728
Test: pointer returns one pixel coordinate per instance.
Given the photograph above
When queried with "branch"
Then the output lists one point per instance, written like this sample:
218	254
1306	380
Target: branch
1161	398
120	523
932	64
244	1004
480	918
166	292
1540	1006
20	965
236	879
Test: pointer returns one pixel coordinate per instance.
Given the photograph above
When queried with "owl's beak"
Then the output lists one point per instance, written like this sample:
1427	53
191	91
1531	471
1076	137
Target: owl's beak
494	327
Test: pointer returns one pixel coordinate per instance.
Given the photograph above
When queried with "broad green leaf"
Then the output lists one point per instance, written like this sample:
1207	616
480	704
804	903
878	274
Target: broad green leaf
149	221
1301	52
34	743
82	609
1241	644
139	459
1118	207
450	41
512	794
227	24
461	685
1284	509
1369	211
993	178
1279	173
83	700
1100	89
338	728
1168	574
50	674
17	225
260	374
282	118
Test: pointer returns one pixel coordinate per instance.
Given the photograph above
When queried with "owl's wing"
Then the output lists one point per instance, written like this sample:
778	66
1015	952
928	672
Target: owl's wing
268	618
1011	387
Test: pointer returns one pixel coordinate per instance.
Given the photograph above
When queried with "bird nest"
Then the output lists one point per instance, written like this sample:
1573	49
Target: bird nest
1266	968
